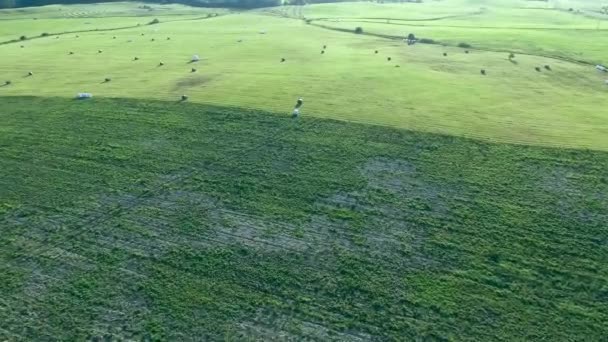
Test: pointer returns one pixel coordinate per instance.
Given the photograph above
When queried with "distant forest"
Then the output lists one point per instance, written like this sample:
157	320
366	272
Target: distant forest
199	3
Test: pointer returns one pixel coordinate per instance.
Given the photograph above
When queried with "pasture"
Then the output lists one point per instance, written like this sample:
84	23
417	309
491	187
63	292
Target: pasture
415	198
419	89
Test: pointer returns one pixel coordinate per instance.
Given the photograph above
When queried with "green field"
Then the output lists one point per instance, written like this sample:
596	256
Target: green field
424	202
427	92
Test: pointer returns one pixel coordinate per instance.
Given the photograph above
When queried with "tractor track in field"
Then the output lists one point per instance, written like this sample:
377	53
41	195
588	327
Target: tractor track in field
13	41
369	20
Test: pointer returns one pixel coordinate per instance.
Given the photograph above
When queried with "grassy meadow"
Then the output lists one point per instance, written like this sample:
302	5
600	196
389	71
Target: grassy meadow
151	220
419	88
414	199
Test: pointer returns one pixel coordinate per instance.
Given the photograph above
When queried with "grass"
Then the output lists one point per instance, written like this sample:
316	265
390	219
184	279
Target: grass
425	202
142	219
428	92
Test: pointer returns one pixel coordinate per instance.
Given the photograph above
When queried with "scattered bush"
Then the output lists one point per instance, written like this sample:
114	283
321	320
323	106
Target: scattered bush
7	82
376	52
322	51
161	64
548	67
359	30
511	55
308	21
135	58
44	34
445	54
107	79
388	59
22	38
426	41
184	97
282	60
466	51
537	69
483	71
155	21
71	53
464	45
30	73
193	69
411	36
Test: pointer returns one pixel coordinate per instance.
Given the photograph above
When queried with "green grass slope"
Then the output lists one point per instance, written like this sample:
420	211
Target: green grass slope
125	219
419	89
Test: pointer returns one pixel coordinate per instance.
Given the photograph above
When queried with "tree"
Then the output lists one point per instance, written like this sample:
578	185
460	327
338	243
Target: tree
411	36
359	30
511	55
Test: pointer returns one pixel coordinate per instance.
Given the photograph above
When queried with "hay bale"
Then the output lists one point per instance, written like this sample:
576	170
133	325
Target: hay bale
83	96
483	71
548	67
